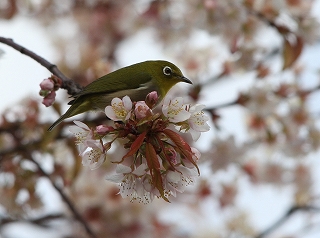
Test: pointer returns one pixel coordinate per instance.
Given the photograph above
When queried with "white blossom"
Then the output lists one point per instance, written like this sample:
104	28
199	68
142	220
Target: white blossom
95	156
177	181
82	133
197	121
175	110
132	182
120	110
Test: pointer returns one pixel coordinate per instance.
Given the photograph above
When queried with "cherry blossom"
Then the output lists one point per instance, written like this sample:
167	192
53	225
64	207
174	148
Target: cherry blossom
120	110
95	155
82	133
47	84
177	181
49	99
198	121
130	182
174	110
141	110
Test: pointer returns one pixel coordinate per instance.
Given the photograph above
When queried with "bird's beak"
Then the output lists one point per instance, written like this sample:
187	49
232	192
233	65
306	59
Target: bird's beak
186	80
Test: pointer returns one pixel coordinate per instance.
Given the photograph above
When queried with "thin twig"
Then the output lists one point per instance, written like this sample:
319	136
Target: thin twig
41	221
71	86
280	28
223	105
292	210
66	200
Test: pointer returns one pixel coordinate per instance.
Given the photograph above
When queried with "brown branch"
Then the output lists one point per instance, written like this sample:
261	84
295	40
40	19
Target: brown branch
65	198
27	148
292	210
37	221
280	28
242	99
68	84
223	105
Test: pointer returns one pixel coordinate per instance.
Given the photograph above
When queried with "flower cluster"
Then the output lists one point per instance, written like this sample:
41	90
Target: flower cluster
159	162
48	90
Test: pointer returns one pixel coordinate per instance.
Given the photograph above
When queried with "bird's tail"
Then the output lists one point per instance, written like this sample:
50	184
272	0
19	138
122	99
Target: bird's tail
76	108
57	122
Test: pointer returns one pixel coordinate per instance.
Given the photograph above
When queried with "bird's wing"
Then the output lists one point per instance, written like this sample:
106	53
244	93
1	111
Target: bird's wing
116	81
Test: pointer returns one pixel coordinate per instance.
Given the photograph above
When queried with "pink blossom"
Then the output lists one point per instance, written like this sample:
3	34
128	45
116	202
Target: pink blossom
120	110
141	110
152	99
49	99
103	129
47	84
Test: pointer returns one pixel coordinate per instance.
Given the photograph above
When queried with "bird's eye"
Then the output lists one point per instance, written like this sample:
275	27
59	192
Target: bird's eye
167	70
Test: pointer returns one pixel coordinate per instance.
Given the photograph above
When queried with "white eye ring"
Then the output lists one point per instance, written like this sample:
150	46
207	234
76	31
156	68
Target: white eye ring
167	70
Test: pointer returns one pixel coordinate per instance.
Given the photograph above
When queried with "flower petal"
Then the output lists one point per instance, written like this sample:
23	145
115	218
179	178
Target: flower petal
141	170
116	178
122	169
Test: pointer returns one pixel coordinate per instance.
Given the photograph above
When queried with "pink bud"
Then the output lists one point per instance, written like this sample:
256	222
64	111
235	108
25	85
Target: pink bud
49	99
103	129
141	110
171	154
47	84
152	99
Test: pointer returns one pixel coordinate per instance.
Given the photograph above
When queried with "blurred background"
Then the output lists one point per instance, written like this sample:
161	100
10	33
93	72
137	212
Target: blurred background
253	63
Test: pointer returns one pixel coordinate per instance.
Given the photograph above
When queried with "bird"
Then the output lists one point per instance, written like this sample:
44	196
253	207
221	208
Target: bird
135	81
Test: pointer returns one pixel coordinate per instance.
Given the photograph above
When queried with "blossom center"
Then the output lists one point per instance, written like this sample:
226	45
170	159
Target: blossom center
119	109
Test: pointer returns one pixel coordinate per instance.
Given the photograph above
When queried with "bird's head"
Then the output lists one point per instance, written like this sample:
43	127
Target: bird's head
166	75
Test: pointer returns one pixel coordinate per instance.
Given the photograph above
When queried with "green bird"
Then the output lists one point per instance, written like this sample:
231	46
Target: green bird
136	81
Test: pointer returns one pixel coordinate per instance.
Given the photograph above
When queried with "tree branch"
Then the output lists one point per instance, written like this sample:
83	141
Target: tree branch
68	84
223	105
66	200
37	221
292	210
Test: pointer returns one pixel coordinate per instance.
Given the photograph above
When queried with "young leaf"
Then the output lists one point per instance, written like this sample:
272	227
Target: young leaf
154	166
152	158
135	146
182	145
291	51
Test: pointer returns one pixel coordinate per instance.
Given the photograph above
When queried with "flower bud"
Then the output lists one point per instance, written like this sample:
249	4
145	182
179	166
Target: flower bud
49	99
103	129
152	99
141	110
47	84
